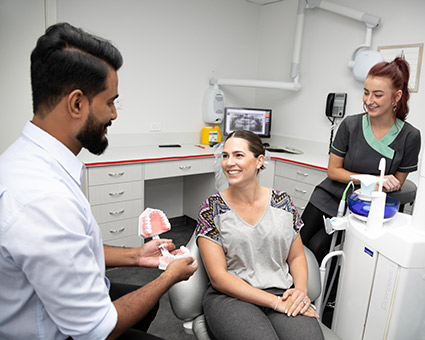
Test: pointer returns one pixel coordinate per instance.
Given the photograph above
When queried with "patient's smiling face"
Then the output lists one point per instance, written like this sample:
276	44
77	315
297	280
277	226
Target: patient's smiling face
239	163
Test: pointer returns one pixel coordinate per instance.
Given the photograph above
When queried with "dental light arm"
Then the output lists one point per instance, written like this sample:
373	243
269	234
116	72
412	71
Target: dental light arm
370	20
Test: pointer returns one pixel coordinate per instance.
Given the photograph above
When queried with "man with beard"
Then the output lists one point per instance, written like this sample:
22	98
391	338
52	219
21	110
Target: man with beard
52	260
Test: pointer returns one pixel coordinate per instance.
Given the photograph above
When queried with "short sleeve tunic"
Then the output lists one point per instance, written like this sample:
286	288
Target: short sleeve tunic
254	253
362	152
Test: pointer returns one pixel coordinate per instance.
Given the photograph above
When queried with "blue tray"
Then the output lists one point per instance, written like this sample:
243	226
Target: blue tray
362	207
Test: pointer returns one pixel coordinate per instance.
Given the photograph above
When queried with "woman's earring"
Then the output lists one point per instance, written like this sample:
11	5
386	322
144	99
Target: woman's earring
394	107
364	108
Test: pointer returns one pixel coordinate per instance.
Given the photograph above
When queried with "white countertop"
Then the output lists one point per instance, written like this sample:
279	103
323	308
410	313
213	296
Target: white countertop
314	154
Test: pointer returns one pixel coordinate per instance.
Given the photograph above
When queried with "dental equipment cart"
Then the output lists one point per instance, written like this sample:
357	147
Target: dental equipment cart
381	291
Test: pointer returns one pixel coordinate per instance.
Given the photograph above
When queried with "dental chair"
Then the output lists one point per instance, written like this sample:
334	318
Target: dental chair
186	296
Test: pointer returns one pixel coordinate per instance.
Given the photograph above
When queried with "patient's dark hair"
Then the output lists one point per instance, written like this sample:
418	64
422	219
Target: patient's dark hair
67	58
397	71
255	145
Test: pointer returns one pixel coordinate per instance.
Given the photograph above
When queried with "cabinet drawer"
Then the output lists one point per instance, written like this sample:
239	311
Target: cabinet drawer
115	174
181	167
128	242
300	173
110	193
117	211
294	188
118	229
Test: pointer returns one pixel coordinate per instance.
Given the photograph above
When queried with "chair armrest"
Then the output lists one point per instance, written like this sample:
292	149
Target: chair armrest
314	286
186	296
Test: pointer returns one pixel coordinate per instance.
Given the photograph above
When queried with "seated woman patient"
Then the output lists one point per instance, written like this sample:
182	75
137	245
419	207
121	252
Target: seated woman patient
248	236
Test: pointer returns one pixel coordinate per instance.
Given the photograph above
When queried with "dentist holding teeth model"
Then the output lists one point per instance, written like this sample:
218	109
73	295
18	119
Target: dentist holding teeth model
361	141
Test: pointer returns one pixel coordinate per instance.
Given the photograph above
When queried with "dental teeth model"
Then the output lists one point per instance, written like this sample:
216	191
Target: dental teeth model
166	257
153	222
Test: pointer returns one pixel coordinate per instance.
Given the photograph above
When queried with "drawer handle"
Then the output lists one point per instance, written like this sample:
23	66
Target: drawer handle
302	173
185	167
301	191
115	194
117	231
114	213
116	174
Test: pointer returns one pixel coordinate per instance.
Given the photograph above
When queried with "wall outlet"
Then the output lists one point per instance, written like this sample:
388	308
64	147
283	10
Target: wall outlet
155	127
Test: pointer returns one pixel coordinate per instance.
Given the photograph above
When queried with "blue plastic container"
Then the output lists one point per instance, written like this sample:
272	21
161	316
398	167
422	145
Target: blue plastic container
362	207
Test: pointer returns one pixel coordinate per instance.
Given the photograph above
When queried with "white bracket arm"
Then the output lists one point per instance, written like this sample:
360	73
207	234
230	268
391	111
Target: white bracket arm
370	20
257	83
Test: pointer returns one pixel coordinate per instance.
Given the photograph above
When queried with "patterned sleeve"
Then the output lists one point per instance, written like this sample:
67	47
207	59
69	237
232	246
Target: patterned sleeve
282	200
210	208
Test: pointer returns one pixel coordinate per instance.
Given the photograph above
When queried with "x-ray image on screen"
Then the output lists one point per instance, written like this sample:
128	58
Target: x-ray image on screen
247	122
255	120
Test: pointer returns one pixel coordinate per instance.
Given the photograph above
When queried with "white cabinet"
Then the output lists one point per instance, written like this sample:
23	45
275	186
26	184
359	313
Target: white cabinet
176	168
116	195
179	186
298	181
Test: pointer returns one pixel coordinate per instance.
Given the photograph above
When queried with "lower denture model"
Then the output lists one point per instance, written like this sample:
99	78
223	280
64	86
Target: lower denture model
153	222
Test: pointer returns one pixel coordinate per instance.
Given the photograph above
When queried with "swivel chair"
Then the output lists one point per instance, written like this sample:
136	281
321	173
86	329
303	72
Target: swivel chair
405	195
186	296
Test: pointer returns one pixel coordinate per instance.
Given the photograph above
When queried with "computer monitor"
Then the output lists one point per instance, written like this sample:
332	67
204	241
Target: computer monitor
255	120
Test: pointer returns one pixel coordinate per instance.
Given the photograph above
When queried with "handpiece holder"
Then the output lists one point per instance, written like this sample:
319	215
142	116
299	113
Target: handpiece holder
375	220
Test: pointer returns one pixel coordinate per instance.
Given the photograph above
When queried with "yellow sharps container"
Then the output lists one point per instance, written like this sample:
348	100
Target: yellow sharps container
211	135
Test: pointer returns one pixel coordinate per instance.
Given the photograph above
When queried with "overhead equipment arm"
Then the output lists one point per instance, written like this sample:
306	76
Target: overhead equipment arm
370	20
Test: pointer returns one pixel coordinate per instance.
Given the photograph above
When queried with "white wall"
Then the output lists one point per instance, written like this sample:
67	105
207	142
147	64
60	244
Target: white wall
172	47
329	40
21	23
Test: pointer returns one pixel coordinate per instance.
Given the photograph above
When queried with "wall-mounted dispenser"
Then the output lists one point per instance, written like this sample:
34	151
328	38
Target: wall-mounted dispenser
213	105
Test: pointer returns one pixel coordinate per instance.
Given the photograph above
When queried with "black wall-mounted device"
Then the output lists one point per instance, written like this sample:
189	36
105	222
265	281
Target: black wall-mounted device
335	105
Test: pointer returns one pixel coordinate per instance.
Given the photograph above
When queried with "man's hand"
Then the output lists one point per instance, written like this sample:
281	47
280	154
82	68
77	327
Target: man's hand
150	252
181	269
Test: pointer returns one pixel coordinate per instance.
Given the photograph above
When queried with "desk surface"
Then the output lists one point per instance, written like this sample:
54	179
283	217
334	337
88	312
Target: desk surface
314	154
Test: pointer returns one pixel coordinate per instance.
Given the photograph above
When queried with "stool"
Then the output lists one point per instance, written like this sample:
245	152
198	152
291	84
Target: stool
406	194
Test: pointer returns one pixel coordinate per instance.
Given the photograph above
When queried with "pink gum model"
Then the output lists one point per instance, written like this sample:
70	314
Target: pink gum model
153	222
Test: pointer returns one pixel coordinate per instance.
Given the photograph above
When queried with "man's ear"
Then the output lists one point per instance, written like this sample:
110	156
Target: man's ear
76	102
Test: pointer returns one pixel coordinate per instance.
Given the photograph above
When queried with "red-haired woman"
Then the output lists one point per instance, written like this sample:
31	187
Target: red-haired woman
361	141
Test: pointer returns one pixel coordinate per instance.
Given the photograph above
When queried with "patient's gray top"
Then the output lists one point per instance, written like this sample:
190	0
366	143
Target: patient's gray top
256	254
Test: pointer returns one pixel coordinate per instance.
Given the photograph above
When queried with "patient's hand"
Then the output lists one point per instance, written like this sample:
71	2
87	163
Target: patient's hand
295	302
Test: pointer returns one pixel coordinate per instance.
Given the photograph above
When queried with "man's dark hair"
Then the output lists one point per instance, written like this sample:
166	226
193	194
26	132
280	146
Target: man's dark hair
67	58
